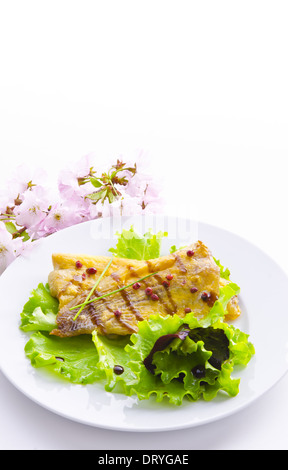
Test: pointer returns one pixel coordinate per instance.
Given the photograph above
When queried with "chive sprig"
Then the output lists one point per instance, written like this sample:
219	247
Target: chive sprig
92	290
89	301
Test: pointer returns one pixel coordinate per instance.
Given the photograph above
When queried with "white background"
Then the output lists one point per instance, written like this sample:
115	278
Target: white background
202	87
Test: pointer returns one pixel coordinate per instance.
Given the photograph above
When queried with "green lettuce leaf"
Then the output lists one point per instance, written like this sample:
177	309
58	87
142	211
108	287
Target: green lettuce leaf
112	353
39	313
149	384
224	272
219	308
73	358
132	245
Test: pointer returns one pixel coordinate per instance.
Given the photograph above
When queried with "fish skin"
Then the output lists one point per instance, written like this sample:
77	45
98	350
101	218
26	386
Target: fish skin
199	271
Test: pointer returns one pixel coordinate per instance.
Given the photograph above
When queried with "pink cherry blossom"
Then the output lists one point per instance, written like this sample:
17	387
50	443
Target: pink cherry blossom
32	211
21	178
68	181
59	216
144	183
99	210
130	206
39	211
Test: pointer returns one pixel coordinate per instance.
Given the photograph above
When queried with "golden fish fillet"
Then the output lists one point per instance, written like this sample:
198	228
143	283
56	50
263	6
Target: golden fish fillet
182	284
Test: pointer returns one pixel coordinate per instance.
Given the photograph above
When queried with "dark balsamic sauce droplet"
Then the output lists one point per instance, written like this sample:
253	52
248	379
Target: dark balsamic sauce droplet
198	371
118	370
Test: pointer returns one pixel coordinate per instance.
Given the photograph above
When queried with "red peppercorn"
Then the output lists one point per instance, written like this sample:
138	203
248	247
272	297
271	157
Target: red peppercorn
204	296
117	313
190	253
154	297
169	277
78	264
91	270
188	310
136	285
83	276
148	290
166	283
193	290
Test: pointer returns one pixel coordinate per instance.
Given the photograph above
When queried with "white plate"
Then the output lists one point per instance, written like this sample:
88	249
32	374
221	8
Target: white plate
263	285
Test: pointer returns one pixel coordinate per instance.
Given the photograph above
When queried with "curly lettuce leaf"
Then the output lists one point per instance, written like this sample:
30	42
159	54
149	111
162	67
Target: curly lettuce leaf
152	383
112	352
219	308
177	362
201	348
172	375
39	313
132	245
72	358
224	272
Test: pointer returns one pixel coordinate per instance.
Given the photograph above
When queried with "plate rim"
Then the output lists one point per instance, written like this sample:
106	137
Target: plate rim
174	426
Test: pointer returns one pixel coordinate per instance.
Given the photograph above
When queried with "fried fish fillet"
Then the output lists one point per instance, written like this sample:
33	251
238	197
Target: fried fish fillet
187	280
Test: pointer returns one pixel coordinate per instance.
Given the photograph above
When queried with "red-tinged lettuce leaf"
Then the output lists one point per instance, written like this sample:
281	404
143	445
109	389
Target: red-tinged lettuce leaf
155	383
174	364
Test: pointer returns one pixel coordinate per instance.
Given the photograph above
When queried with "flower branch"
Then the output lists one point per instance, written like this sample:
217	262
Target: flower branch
30	210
